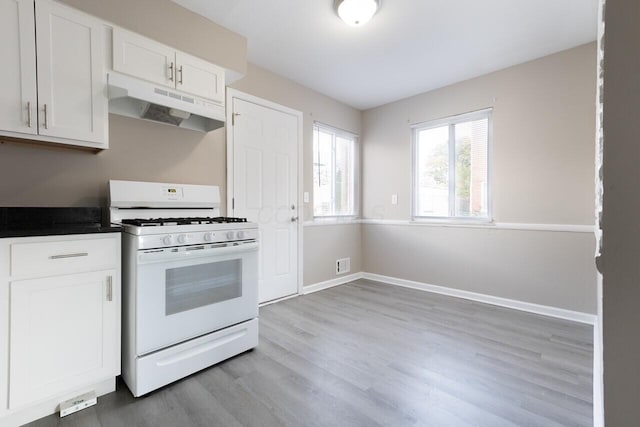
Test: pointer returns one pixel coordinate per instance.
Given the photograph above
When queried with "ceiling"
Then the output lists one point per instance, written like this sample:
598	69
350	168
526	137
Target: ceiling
409	47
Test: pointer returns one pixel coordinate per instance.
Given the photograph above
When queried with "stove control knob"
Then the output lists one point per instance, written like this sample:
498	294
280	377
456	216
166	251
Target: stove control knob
208	237
167	239
182	239
230	235
242	235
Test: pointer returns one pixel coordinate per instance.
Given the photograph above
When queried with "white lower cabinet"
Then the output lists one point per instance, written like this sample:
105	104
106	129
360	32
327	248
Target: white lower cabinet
60	332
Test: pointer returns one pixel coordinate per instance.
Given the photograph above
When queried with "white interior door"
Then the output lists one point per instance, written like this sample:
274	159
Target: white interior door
265	189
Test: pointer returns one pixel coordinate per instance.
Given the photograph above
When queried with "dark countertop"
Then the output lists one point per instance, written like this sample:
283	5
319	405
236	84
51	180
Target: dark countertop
44	221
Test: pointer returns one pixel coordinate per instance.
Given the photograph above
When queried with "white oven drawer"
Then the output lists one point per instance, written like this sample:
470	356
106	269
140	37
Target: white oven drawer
171	364
62	256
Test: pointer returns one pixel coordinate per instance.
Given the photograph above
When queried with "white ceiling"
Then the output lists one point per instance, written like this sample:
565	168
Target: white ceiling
409	47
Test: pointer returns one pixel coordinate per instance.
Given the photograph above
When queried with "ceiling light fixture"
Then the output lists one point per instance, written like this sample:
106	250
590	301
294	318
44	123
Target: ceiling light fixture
356	12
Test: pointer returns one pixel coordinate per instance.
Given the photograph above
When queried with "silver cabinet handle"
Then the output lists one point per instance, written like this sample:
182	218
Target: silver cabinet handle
171	71
29	113
109	288
294	218
76	255
180	71
46	125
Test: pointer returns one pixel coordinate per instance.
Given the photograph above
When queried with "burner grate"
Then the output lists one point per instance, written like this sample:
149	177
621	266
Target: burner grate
158	222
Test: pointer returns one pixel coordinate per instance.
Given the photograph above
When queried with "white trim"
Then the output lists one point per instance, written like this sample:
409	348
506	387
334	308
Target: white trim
338	131
234	93
331	283
450	122
355	139
333	221
544	310
51	405
528	307
273	301
457	118
566	228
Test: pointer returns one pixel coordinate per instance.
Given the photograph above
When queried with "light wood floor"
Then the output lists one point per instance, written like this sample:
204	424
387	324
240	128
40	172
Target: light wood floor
368	354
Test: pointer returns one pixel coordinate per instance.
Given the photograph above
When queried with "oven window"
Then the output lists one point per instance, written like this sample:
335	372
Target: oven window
201	285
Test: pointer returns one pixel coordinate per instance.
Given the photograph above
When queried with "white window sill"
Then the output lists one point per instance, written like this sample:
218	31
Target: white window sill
334	220
567	228
454	221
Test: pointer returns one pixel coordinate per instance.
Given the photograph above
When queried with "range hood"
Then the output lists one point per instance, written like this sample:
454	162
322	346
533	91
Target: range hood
139	99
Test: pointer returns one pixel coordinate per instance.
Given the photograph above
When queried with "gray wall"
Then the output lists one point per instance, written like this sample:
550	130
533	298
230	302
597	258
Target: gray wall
543	173
620	264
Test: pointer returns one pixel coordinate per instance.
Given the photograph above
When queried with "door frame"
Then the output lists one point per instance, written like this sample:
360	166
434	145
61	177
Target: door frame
236	94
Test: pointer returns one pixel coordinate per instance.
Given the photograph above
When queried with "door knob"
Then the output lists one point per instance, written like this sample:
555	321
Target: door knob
294	218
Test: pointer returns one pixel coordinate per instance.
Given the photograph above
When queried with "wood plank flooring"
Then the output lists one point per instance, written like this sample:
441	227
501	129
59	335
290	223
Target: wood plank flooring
369	354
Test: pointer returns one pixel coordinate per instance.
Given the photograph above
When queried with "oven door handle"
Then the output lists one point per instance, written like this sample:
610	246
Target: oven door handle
151	257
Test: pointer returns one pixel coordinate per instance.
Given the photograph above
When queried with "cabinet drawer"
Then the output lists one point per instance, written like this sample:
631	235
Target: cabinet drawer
62	257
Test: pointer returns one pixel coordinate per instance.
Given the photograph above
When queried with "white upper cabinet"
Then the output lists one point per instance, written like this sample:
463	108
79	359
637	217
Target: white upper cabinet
71	76
149	60
18	103
143	58
200	78
62	99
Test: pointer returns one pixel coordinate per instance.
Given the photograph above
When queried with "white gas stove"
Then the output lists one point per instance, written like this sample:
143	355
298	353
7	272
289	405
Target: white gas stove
190	281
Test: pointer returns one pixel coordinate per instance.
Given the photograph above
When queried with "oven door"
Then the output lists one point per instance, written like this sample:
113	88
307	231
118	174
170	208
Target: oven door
190	291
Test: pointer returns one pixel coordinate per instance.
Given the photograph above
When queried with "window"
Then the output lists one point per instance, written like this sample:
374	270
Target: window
451	167
334	172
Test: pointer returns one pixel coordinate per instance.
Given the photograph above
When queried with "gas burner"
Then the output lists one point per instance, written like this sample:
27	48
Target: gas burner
156	222
228	219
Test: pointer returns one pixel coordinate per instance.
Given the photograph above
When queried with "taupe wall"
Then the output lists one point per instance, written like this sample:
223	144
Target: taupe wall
37	175
543	173
542	267
322	244
171	24
620	264
543	130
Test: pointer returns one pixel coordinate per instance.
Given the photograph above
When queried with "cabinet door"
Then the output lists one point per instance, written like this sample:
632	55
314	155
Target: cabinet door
200	78
64	334
72	91
143	58
18	103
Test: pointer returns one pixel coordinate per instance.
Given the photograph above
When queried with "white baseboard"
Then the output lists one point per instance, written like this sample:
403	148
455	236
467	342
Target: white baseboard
544	310
273	301
50	406
331	283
